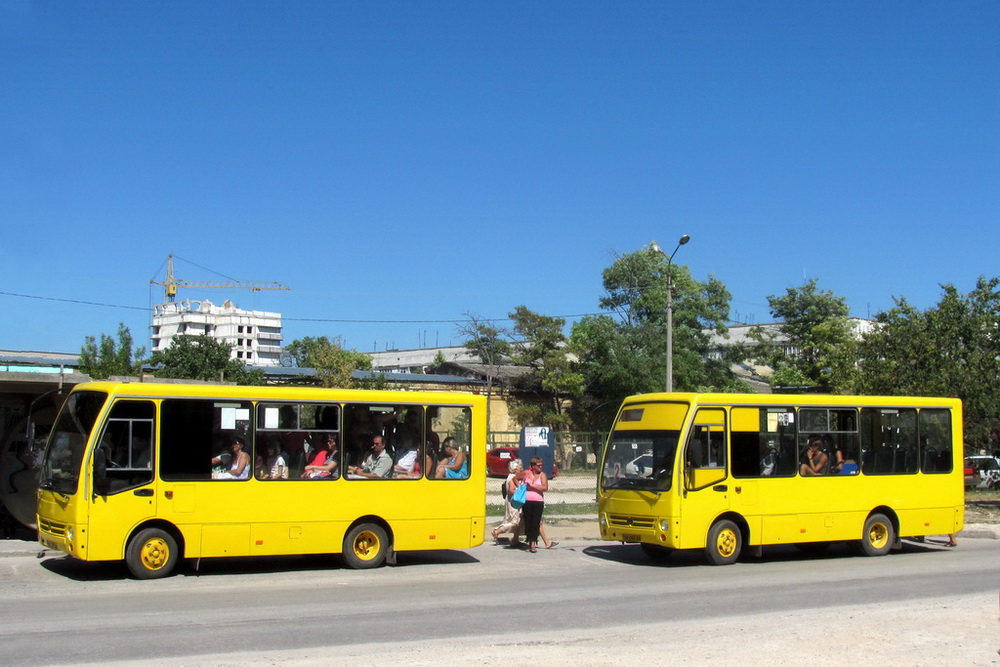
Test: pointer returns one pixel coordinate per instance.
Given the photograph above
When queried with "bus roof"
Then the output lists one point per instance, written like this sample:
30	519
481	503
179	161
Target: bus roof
709	398
265	392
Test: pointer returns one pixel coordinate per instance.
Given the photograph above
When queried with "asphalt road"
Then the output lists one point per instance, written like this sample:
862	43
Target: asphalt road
584	602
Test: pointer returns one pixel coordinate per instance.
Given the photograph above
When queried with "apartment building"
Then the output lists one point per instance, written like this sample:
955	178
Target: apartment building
255	335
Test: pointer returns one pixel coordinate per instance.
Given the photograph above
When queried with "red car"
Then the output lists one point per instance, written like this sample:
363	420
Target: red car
498	462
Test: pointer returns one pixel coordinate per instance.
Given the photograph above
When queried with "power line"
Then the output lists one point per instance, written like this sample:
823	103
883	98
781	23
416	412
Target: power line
454	321
286	319
85	303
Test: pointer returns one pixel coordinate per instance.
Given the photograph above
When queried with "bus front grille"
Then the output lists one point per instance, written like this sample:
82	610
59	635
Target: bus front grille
52	528
623	521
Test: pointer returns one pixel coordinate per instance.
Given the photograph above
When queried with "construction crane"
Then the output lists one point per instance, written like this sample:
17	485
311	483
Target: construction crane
172	282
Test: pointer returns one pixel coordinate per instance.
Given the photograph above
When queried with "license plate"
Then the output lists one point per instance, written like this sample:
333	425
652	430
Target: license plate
627	537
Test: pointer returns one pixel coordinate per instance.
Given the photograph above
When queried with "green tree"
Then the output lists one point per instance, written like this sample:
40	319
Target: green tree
438	362
202	358
334	365
102	360
811	339
951	349
541	345
624	352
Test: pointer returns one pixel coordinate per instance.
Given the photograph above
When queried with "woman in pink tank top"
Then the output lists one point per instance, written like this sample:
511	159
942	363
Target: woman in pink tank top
534	505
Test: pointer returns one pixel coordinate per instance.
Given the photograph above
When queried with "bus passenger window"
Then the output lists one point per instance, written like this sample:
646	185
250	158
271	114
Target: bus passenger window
889	441
763	441
451	426
194	431
935	441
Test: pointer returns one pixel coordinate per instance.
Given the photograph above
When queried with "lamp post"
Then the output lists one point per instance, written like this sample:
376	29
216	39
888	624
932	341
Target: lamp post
670	309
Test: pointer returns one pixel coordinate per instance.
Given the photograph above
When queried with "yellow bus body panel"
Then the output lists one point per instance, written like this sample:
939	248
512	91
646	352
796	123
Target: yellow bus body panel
273	517
776	510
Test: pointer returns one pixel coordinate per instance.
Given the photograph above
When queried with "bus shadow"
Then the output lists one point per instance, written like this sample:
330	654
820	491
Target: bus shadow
632	554
78	570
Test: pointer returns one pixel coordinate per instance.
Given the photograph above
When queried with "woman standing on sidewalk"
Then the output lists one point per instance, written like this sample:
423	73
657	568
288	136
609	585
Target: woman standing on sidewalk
534	505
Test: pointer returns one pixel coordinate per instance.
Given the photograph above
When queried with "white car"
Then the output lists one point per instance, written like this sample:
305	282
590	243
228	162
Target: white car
640	467
982	472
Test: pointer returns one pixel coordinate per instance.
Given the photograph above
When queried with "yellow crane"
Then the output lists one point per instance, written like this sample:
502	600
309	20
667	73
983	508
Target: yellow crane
172	282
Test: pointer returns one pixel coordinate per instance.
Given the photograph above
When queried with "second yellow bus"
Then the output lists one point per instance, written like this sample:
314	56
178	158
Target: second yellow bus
727	472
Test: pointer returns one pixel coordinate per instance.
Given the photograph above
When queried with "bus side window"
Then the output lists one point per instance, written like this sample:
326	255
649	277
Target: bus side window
935	441
889	441
194	430
762	441
445	422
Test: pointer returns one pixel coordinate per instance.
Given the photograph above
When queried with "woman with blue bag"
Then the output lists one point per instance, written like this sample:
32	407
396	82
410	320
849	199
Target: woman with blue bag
512	513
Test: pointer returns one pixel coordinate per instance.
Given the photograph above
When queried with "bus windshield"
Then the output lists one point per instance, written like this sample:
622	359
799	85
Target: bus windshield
60	470
640	460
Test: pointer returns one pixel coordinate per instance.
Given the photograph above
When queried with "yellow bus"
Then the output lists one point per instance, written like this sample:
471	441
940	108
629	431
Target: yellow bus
152	473
729	472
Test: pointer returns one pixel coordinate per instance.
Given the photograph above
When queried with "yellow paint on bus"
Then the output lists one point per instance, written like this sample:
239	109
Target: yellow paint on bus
727	472
152	473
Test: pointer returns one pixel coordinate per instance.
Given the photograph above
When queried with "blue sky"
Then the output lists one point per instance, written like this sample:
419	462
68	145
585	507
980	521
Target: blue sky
404	163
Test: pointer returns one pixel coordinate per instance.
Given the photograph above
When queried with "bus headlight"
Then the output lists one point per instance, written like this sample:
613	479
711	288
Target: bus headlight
664	526
604	521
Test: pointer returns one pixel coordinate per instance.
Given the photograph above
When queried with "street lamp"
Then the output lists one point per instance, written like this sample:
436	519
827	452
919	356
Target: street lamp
670	309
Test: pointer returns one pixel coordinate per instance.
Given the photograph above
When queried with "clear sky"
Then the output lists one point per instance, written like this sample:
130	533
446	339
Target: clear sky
403	163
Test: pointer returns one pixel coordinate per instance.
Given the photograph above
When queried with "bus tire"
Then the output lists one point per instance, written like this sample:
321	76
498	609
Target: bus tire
724	543
878	536
152	553
656	552
365	546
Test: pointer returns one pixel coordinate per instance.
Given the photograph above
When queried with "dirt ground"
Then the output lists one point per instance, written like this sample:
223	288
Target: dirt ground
982	511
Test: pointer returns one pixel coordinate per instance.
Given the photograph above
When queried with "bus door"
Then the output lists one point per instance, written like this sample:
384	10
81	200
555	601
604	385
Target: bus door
121	476
706	486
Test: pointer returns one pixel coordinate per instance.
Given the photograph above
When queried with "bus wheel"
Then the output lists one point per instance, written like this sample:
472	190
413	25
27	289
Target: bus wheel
724	543
365	546
151	554
878	536
656	552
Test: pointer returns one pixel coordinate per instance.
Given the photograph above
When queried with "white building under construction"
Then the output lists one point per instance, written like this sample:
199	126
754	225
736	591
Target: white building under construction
254	335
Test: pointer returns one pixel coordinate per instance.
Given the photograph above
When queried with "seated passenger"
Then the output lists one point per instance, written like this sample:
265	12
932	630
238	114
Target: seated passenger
324	464
378	465
406	461
275	466
240	466
814	460
222	461
454	464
